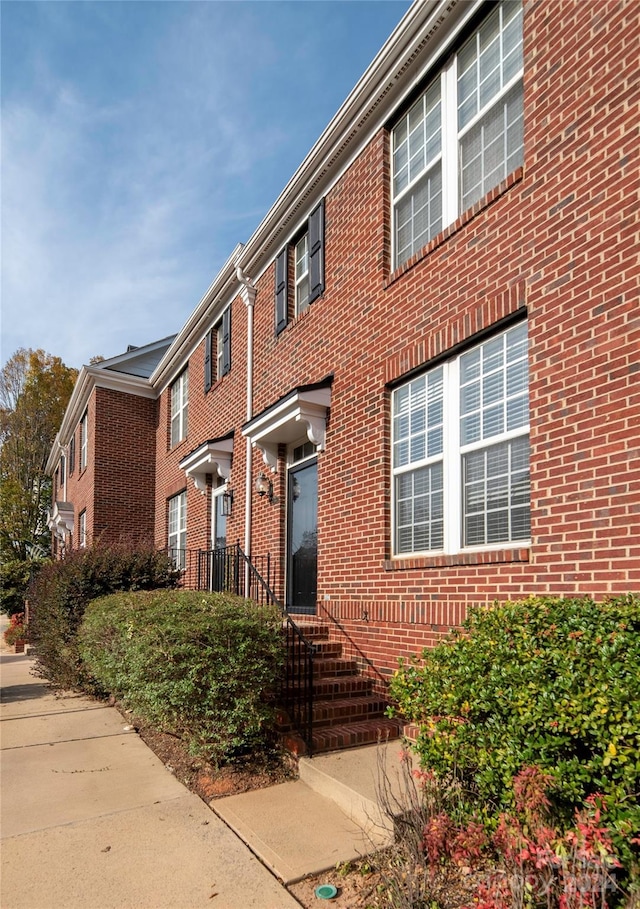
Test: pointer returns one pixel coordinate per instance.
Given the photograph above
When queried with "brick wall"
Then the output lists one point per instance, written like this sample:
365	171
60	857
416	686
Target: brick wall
558	239
124	467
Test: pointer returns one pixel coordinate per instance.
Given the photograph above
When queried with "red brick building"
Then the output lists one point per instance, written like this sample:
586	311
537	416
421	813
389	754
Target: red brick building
417	385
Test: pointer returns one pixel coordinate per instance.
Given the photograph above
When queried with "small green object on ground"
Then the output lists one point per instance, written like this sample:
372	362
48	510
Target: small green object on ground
326	892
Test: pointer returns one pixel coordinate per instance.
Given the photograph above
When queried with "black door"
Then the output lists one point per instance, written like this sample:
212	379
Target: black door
302	538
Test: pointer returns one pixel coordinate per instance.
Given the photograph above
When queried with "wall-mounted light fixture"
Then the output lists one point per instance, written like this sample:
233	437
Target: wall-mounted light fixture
227	503
264	487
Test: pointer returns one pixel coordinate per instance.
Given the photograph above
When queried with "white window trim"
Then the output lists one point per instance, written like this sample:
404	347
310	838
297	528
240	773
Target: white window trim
300	277
451	459
82	529
451	139
174	538
83	441
179	414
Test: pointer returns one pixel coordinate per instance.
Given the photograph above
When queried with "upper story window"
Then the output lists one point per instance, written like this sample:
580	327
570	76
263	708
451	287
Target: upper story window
302	273
217	355
300	266
83	441
463	136
461	451
179	408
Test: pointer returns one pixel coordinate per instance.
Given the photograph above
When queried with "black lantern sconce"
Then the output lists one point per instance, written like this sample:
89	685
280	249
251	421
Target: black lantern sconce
227	503
264	487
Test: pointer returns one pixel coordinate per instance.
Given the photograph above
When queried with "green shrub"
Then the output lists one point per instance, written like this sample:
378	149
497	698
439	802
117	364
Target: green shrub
201	666
546	682
59	595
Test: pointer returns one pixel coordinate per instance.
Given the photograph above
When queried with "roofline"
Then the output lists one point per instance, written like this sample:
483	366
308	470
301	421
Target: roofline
134	352
385	84
220	292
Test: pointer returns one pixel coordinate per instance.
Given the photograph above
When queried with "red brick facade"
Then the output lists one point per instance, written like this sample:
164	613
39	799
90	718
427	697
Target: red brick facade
555	244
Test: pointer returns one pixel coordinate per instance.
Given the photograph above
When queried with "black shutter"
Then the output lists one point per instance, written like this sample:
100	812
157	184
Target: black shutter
316	253
226	341
281	291
207	361
72	454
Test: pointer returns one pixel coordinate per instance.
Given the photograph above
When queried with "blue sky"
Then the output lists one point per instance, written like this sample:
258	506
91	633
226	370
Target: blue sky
142	140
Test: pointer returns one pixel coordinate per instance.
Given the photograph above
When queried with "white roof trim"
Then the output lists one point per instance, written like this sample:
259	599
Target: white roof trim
301	410
211	457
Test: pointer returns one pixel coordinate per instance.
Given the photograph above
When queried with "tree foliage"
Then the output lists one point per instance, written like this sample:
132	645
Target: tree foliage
35	388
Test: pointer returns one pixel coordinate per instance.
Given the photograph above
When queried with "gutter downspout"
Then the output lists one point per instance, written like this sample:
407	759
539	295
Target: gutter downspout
248	294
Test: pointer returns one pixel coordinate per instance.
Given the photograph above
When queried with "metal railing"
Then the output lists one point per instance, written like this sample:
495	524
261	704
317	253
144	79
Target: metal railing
232	570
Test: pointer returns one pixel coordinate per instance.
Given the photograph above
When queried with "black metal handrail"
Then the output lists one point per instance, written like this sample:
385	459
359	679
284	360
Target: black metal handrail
230	569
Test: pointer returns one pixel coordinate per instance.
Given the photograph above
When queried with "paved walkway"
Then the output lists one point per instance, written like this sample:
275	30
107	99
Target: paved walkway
91	818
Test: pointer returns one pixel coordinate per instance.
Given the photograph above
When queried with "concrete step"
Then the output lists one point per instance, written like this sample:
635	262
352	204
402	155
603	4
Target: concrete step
360	780
331	814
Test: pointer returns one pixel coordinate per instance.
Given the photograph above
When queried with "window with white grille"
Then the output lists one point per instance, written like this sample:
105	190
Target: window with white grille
177	537
179	408
460	456
463	135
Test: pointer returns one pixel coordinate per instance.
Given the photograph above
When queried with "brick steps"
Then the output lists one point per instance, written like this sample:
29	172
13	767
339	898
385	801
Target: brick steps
347	712
334	687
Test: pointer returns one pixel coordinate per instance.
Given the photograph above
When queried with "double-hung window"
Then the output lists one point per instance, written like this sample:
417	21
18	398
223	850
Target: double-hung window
177	537
179	408
300	262
83	442
217	356
461	451
462	136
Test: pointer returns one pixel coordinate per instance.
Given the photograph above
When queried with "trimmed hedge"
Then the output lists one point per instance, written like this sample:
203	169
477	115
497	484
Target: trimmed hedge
201	666
59	594
546	682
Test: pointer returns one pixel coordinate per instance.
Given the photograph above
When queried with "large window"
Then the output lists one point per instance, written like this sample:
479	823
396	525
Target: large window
463	136
179	408
461	450
177	538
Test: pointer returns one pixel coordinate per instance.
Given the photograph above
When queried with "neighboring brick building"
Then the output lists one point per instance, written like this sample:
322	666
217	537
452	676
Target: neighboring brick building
103	459
428	354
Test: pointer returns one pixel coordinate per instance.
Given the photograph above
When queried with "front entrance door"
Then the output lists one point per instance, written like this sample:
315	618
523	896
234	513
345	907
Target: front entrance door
218	540
302	537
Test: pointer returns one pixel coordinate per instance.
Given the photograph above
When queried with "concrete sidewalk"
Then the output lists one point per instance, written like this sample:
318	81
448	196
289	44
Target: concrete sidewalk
92	818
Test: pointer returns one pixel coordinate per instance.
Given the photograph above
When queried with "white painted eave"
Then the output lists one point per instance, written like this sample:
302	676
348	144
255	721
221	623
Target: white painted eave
423	34
213	457
221	291
302	412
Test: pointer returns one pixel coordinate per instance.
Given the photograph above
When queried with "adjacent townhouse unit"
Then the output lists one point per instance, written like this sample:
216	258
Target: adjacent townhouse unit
417	386
103	459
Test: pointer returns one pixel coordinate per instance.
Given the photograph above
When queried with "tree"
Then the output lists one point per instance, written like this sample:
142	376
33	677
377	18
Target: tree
35	388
